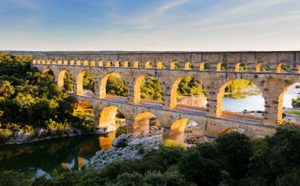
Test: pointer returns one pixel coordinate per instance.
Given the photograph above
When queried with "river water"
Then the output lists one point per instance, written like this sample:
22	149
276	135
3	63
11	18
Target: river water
58	155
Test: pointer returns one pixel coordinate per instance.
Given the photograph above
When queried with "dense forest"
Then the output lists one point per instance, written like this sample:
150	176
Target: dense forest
232	160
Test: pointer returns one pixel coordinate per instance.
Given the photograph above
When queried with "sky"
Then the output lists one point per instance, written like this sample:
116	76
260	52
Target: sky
150	25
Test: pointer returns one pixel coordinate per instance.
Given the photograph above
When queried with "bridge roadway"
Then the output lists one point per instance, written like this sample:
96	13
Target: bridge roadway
170	68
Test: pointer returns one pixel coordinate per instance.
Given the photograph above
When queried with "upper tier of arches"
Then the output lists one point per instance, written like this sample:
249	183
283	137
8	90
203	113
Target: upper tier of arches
281	66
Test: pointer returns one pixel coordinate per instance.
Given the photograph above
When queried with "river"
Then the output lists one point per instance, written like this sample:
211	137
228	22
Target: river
52	156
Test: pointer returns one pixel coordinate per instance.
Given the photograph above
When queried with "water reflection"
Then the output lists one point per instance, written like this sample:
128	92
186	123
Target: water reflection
57	155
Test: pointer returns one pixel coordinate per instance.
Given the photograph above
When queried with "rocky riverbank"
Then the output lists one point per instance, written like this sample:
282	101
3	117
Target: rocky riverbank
127	147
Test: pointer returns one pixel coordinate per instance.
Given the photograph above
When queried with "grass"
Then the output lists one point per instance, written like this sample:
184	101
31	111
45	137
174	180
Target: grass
293	113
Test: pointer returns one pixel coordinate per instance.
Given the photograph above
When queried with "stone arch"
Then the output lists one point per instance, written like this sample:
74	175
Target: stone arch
118	63
126	64
241	66
173	97
104	82
221	66
282	67
262	66
85	63
148	64
79	82
204	66
61	76
59	62
78	62
65	62
141	123
108	63
53	62
48	62
161	65
47	71
101	63
93	63
221	92
72	62
43	61
136	64
107	118
34	61
174	64
137	87
280	103
188	66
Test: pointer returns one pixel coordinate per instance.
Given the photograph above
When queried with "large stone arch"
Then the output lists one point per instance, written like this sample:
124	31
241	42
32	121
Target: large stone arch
107	118
137	87
141	123
47	70
103	82
222	91
60	77
79	83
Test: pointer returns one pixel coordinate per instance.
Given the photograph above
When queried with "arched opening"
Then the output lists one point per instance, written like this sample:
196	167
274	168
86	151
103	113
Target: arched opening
118	64
59	62
113	86
188	93
112	120
72	62
85	63
78	63
161	65
262	67
241	67
143	123
48	71
289	104
174	65
48	62
148	64
34	61
93	63
148	89
53	62
186	131
204	66
65	62
101	63
188	66
84	111
43	61
65	80
240	98
222	66
283	67
126	64
85	83
108	63
136	64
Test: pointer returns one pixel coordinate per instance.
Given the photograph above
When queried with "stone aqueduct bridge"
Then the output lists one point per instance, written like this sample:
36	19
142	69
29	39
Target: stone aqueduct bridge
134	66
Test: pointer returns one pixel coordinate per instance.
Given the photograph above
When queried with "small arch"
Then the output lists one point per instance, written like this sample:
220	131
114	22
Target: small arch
148	64
78	63
38	61
241	66
188	66
101	63
262	67
93	63
53	62
204	66
222	66
43	61
59	62
65	62
72	62
141	123
136	64
48	62
117	63
186	131
65	80
161	65
85	63
111	118
34	61
283	67
108	63
174	64
126	64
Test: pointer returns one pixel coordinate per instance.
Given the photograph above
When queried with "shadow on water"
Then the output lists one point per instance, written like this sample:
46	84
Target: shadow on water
53	156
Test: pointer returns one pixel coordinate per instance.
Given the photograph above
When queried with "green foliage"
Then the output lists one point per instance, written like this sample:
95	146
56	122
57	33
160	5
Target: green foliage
243	67
120	131
14	178
116	86
189	87
237	85
5	135
88	81
151	89
68	81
